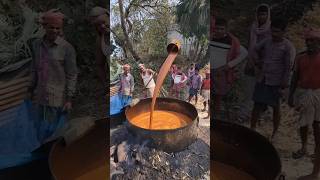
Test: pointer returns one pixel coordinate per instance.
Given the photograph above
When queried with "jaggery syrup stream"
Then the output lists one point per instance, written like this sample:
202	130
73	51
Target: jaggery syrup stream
161	76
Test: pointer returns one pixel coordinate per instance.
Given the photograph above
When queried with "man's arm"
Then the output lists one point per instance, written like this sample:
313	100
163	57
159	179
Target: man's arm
243	54
200	82
201	86
131	84
185	78
293	83
33	72
71	72
151	71
101	64
257	51
120	83
289	58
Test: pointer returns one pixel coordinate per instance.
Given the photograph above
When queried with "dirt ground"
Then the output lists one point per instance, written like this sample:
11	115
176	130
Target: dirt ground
287	141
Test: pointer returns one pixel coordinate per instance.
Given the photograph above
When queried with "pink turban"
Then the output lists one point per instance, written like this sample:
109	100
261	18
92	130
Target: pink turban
311	33
53	17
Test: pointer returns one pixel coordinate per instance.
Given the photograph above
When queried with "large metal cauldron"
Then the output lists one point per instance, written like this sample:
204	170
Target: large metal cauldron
245	149
83	159
167	140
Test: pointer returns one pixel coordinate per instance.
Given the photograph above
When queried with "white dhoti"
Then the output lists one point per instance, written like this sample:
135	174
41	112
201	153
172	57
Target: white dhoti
206	94
150	92
307	101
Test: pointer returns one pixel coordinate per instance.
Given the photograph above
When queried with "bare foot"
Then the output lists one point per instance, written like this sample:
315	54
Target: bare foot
309	177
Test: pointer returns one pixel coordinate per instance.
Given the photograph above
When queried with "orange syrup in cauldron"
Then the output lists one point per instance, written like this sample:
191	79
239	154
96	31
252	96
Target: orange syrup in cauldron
162	120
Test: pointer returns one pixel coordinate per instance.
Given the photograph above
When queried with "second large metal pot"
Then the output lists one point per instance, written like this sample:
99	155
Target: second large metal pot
172	140
246	150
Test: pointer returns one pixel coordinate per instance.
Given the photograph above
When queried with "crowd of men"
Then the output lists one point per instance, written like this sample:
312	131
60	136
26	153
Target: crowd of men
272	64
180	82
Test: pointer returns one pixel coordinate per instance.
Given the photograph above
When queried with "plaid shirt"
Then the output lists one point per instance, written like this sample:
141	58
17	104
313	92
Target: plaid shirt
276	60
196	81
126	84
54	72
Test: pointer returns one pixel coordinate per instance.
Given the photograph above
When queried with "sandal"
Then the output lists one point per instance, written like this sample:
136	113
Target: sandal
299	154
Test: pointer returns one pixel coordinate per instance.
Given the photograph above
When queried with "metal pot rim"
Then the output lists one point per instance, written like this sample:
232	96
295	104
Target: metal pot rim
234	126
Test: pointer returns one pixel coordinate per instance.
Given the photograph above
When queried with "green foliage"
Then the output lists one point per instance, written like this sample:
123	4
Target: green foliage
155	39
146	24
193	17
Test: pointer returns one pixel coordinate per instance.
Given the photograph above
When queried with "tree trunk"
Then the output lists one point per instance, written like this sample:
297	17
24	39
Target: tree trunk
124	29
204	59
199	54
125	52
196	49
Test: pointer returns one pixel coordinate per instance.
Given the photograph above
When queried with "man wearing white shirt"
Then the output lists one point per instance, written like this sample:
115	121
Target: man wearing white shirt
147	77
179	83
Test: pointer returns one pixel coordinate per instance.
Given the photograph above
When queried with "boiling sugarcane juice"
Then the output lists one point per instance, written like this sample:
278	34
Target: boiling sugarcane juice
223	171
161	120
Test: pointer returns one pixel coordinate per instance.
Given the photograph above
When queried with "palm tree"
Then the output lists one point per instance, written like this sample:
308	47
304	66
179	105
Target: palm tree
193	19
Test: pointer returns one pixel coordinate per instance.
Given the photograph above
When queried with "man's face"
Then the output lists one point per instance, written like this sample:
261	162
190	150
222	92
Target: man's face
103	26
126	70
220	31
53	31
142	68
277	34
262	17
313	45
